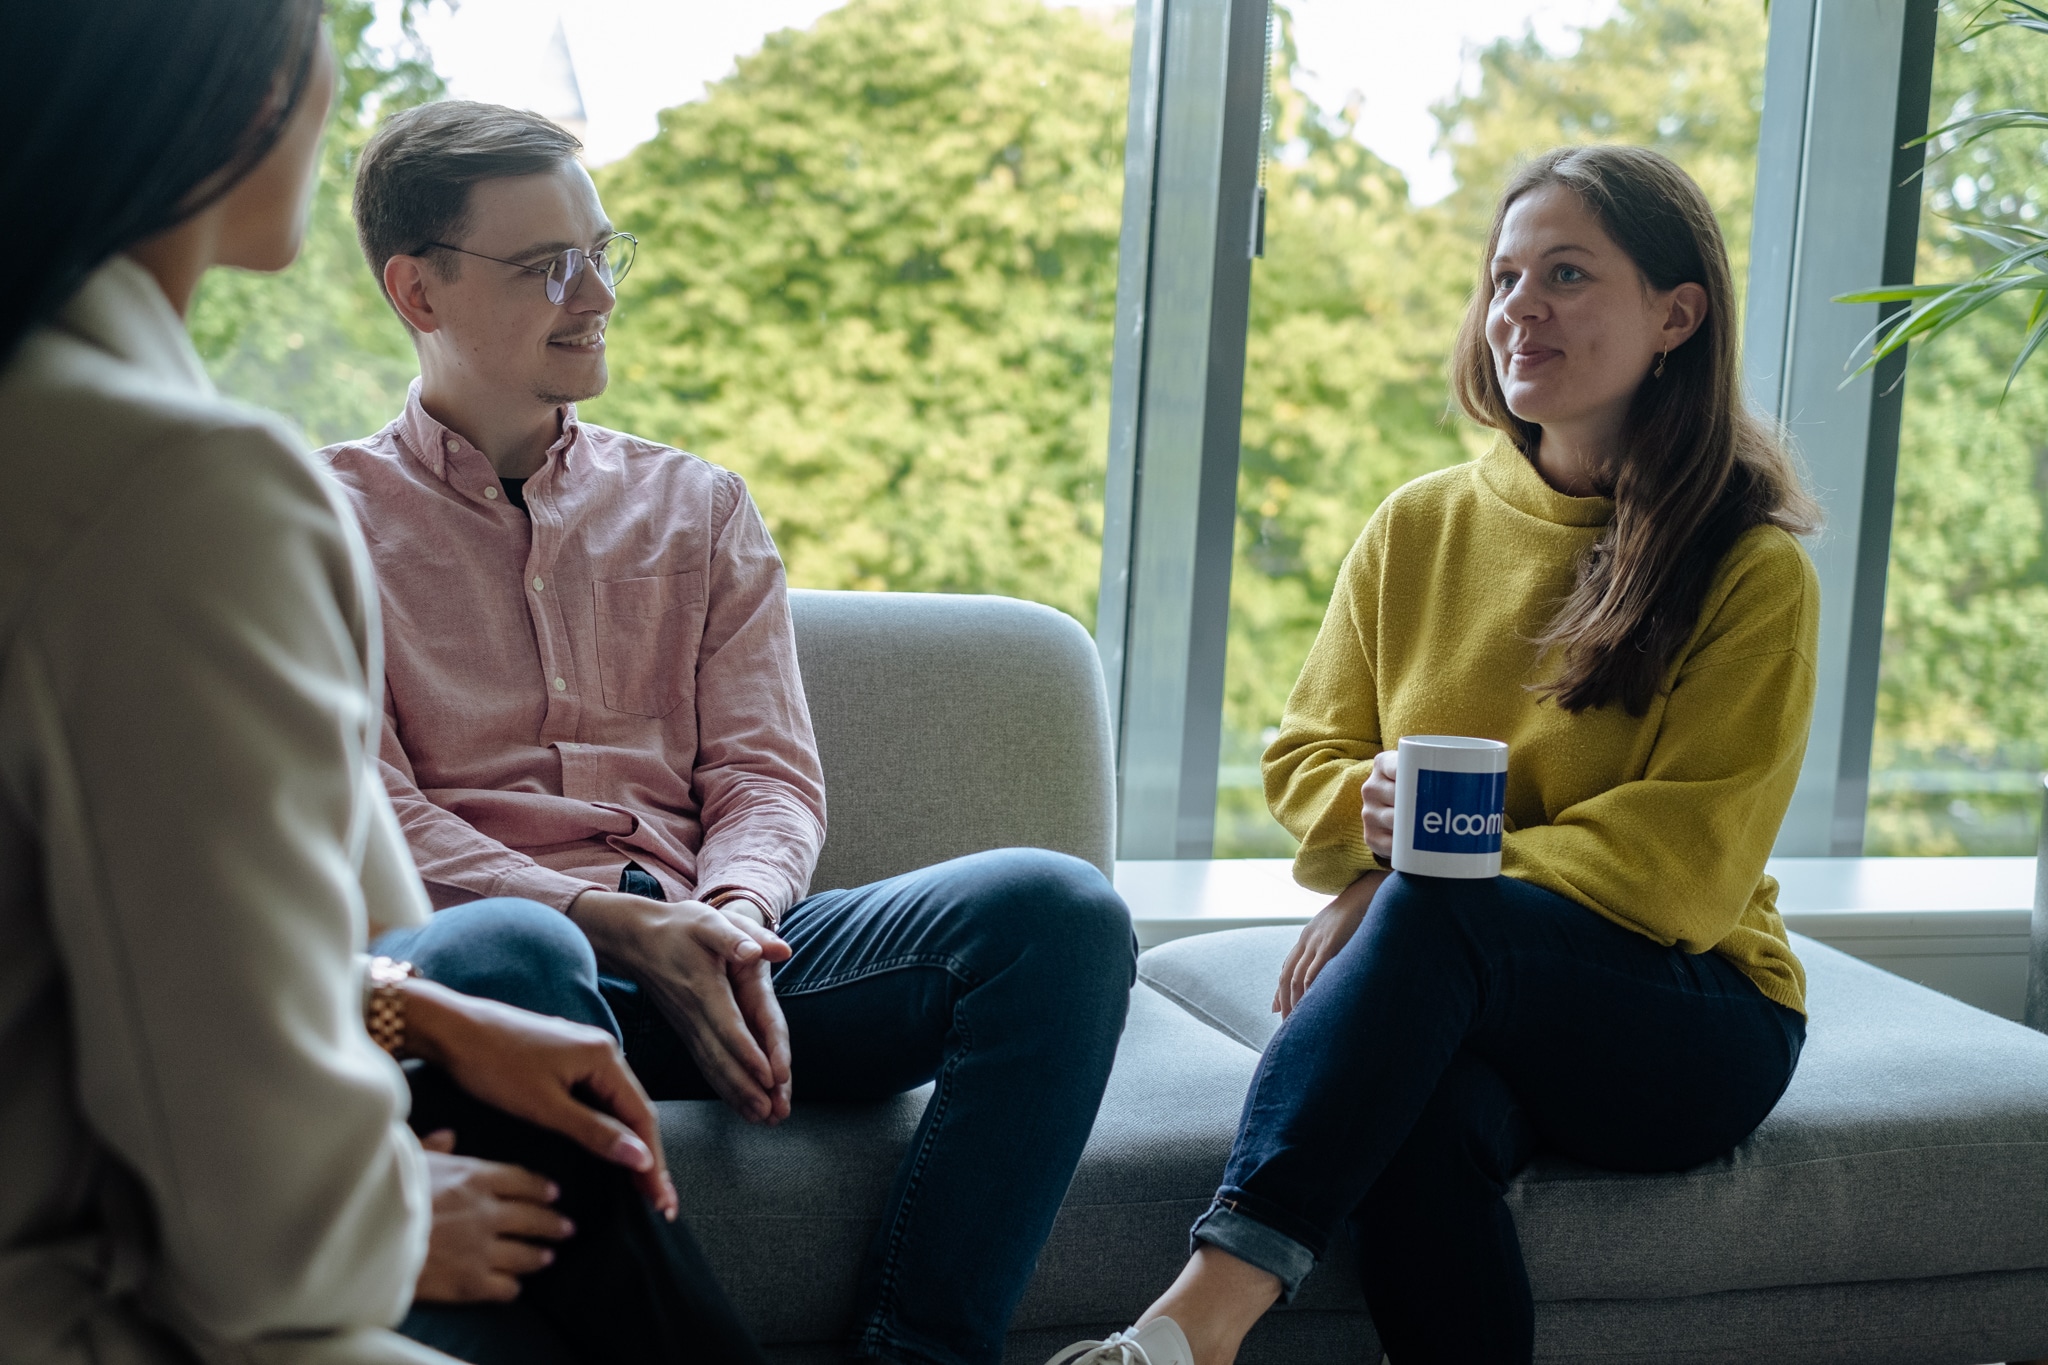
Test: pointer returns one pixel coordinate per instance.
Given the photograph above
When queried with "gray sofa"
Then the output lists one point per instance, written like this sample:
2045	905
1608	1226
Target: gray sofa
1893	1209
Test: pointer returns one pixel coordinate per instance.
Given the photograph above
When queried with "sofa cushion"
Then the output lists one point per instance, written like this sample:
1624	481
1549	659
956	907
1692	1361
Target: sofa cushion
1950	1320
1913	1142
948	725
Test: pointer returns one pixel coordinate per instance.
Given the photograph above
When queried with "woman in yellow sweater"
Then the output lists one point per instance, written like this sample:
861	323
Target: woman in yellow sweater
1614	589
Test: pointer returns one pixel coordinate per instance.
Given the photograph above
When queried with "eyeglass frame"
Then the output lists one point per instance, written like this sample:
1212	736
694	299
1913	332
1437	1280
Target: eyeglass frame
543	271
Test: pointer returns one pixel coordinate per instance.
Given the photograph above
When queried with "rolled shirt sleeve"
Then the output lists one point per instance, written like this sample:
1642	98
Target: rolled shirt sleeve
757	769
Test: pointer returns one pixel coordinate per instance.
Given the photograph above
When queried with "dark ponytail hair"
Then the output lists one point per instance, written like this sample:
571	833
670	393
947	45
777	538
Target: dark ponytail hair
124	118
1696	467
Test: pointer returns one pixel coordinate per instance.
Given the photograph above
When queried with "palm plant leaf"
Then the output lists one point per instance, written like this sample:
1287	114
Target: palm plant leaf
2020	264
1974	126
2037	330
1940	307
2008	239
2021	16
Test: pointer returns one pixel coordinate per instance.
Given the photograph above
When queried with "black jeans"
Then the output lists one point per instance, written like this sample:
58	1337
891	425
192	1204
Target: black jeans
1465	1023
628	1286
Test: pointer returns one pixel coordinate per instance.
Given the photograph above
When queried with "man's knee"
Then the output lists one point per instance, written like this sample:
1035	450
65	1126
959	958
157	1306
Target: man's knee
1032	905
515	951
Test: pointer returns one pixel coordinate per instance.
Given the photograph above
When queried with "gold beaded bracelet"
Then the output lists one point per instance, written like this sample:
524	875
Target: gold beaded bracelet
384	1003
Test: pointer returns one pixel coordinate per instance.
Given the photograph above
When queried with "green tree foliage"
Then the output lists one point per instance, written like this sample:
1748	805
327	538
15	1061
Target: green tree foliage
317	342
878	279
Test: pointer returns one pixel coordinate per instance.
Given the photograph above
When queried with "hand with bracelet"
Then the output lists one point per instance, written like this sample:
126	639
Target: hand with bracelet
488	1216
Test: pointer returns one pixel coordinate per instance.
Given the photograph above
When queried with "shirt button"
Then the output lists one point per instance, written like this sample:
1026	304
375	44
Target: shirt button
452	447
538	585
491	492
561	686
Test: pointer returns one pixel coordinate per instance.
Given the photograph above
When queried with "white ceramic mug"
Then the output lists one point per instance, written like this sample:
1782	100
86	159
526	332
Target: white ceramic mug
1450	802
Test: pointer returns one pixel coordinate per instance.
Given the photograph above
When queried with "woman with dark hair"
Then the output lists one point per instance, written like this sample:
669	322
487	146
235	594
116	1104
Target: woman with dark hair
205	1153
1615	590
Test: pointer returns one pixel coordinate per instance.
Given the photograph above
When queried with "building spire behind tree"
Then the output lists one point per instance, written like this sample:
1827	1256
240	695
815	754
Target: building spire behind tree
560	96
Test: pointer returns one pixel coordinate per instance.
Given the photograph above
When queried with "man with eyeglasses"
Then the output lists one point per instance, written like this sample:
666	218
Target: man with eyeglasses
593	702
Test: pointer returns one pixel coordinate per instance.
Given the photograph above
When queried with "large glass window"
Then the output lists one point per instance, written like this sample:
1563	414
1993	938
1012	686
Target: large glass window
877	272
318	343
1373	236
1962	711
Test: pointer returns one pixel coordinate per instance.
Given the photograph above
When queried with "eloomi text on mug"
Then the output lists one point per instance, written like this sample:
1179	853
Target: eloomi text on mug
1458	812
1452	822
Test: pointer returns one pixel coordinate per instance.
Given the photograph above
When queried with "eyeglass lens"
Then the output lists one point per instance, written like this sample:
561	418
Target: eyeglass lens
611	262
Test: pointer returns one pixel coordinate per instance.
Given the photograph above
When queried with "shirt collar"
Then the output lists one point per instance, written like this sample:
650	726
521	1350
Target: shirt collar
434	445
122	310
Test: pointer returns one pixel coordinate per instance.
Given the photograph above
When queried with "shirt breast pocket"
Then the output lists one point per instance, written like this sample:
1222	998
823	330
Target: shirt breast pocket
646	640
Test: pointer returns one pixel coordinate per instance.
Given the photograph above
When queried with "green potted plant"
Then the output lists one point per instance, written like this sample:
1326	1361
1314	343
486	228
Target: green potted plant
2020	262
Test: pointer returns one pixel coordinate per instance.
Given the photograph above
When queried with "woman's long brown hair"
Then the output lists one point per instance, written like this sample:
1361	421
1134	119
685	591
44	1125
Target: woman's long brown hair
1696	467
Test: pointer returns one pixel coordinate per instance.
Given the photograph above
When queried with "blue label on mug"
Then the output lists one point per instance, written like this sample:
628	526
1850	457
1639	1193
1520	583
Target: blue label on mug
1459	812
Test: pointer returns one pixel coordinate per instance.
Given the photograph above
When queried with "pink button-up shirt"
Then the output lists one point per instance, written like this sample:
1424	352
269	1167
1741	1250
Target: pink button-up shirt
613	679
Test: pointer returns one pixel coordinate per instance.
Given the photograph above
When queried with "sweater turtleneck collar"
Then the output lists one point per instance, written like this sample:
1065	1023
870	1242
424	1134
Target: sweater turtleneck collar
1513	479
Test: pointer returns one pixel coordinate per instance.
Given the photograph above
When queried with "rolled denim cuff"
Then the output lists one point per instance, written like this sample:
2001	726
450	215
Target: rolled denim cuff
1252	1242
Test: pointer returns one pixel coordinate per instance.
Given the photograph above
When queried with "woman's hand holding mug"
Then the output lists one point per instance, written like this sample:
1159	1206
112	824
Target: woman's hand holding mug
1378	804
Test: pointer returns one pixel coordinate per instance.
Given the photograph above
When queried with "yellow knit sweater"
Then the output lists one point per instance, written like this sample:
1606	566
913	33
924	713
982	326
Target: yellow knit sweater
1659	823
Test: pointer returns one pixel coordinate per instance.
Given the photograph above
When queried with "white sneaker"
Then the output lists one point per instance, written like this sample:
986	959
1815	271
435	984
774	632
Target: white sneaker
1158	1342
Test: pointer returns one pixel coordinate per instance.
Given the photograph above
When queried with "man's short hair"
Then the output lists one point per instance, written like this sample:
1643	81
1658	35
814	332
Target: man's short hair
413	183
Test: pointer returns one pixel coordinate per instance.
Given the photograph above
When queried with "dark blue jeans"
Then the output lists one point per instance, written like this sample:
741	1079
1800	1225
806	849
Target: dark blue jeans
1004	977
1464	1024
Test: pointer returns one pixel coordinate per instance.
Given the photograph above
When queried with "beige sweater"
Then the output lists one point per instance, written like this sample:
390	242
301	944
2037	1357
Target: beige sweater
198	1141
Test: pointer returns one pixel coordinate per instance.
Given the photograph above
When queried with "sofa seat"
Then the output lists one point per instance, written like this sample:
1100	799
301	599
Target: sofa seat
1909	1156
785	1214
1893	1208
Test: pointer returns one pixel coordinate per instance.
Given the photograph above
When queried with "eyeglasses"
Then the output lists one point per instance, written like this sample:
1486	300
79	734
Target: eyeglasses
609	262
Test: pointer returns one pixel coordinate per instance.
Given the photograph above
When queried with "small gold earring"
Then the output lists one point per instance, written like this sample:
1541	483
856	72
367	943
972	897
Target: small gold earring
1658	373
